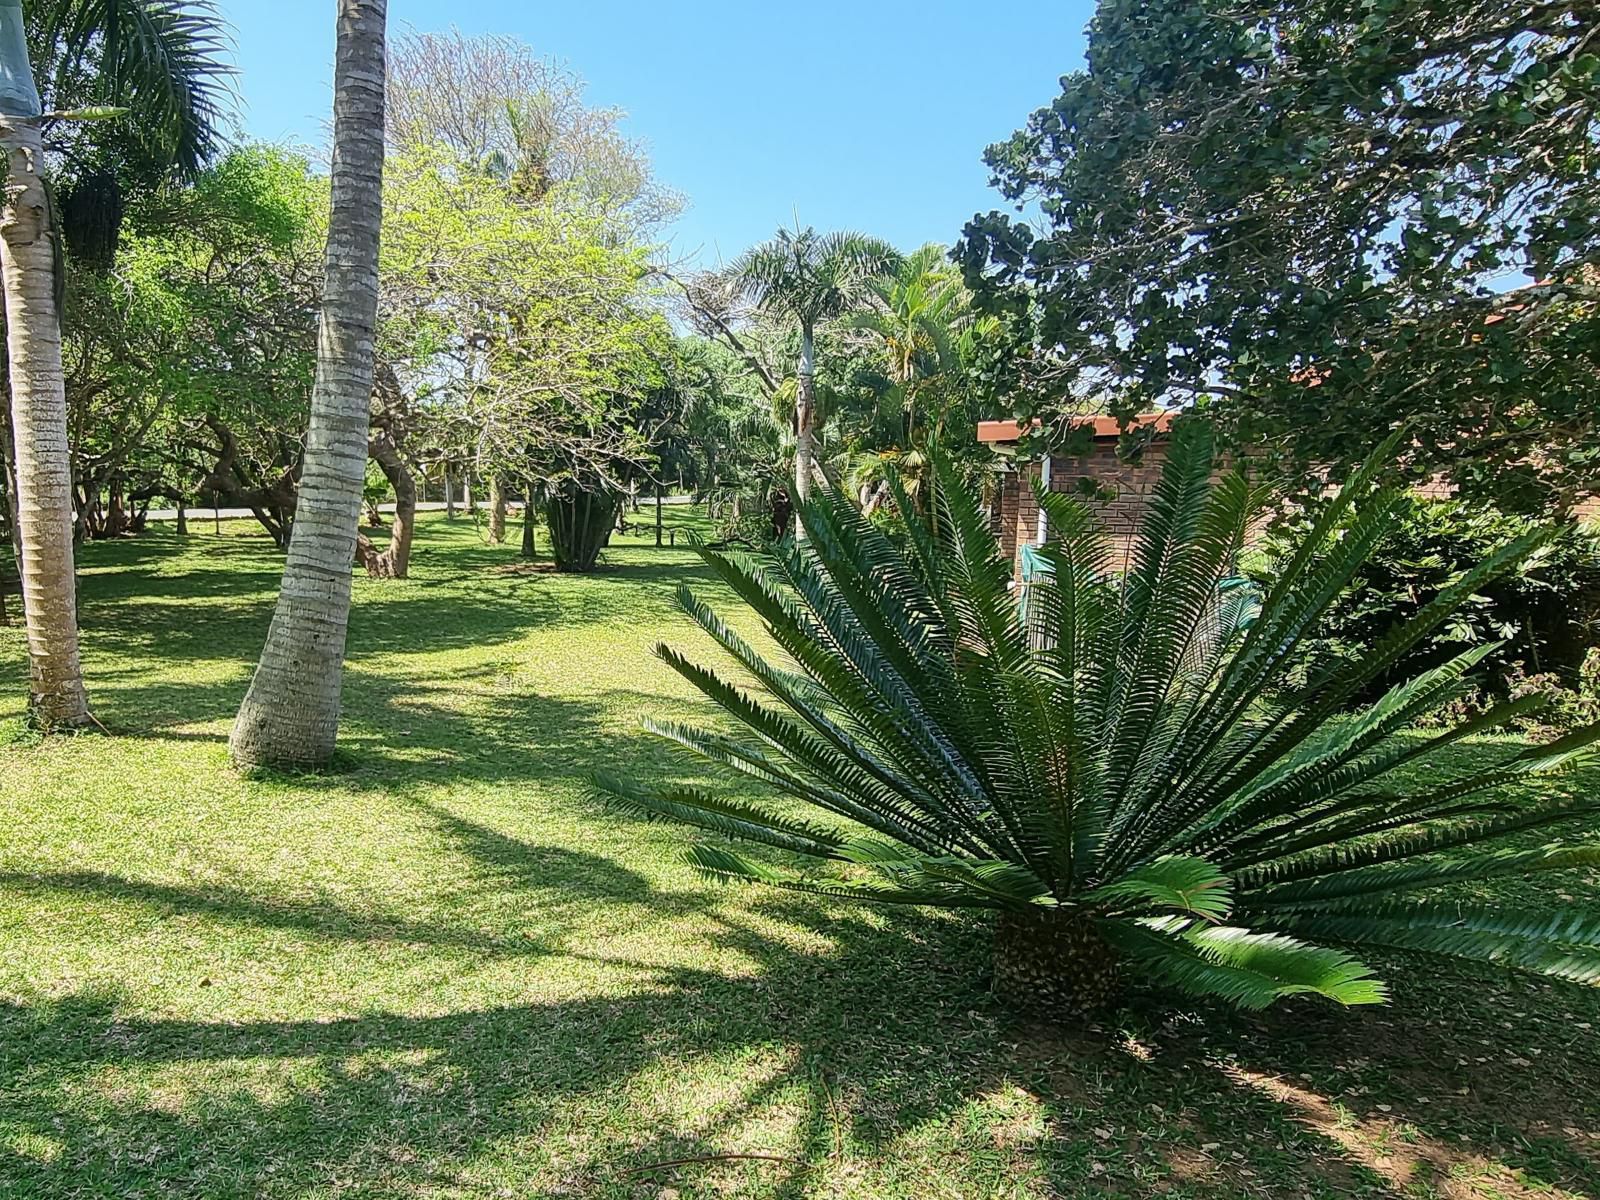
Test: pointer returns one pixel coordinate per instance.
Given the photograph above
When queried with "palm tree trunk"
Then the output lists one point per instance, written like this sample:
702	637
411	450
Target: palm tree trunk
43	496
805	424
290	717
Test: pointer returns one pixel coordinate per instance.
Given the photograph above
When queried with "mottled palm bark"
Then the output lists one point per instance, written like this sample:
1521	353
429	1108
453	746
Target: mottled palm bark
290	717
39	432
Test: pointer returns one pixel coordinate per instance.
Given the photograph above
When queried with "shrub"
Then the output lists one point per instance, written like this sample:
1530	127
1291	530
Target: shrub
580	521
1127	792
1542	618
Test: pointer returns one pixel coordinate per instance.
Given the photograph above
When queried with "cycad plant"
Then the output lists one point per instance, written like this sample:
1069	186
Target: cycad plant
1119	768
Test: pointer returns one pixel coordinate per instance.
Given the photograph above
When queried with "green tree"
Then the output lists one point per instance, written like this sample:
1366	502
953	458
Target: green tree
930	340
1308	216
1119	769
806	278
290	715
528	323
160	57
190	360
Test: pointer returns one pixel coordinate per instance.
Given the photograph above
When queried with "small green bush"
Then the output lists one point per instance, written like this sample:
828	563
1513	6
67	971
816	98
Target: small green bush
1546	615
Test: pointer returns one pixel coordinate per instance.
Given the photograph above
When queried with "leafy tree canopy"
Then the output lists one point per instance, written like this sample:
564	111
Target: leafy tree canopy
1311	216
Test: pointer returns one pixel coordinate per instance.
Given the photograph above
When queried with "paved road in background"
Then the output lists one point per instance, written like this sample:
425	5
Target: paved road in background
233	514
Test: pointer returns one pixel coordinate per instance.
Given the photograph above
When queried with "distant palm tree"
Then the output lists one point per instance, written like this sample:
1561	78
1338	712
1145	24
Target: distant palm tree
919	325
161	59
808	278
290	716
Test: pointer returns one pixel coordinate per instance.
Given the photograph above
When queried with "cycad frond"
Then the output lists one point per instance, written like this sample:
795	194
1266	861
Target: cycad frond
1117	760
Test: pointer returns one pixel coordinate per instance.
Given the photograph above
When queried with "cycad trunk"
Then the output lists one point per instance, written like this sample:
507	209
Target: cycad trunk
290	717
1053	963
805	422
39	432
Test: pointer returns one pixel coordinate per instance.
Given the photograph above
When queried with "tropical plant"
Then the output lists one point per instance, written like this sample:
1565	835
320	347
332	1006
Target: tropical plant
807	278
581	520
1106	766
290	715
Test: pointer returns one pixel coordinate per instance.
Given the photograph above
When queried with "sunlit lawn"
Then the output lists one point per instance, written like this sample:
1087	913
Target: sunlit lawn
448	972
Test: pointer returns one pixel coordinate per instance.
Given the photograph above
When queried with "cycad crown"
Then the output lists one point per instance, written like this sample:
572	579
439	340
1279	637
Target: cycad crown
1120	766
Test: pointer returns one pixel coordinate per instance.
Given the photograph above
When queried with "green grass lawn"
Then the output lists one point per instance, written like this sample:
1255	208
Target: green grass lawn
447	972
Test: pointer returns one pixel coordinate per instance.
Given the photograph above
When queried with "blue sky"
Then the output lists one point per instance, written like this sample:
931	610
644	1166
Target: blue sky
870	115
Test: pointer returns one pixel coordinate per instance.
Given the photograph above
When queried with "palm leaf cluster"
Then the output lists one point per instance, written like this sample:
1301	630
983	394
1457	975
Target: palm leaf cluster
164	60
811	277
1126	752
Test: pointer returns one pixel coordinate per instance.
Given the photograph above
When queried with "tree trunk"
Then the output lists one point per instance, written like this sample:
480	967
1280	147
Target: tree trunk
394	562
449	496
805	424
1054	963
8	479
658	515
290	716
183	519
530	545
497	510
43	495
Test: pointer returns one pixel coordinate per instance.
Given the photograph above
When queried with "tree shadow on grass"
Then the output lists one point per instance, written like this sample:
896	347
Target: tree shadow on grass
863	1056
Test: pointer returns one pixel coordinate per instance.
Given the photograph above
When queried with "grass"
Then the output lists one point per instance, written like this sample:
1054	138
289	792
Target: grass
446	972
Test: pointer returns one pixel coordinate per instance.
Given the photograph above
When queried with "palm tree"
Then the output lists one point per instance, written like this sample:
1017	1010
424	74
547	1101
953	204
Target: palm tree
159	57
1122	770
290	716
920	324
808	278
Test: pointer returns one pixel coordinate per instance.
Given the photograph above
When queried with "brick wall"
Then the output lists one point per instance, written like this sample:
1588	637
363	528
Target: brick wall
1128	485
1017	510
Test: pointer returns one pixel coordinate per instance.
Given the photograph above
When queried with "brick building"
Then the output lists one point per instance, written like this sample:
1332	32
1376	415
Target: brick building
1018	520
1019	523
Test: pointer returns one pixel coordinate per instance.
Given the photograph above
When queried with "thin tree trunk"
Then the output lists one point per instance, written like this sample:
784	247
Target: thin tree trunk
183	519
394	562
805	424
530	543
497	510
290	716
8	469
658	514
43	496
449	495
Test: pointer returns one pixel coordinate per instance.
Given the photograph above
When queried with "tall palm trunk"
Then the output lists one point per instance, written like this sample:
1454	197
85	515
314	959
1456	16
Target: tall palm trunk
805	422
39	431
290	717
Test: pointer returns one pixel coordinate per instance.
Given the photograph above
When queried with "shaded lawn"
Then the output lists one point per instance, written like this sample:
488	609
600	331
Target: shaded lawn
447	972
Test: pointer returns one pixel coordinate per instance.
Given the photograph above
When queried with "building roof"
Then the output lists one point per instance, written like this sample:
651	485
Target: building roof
1105	428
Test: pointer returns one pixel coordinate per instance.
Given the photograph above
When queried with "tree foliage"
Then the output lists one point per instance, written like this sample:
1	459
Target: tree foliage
1308	216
